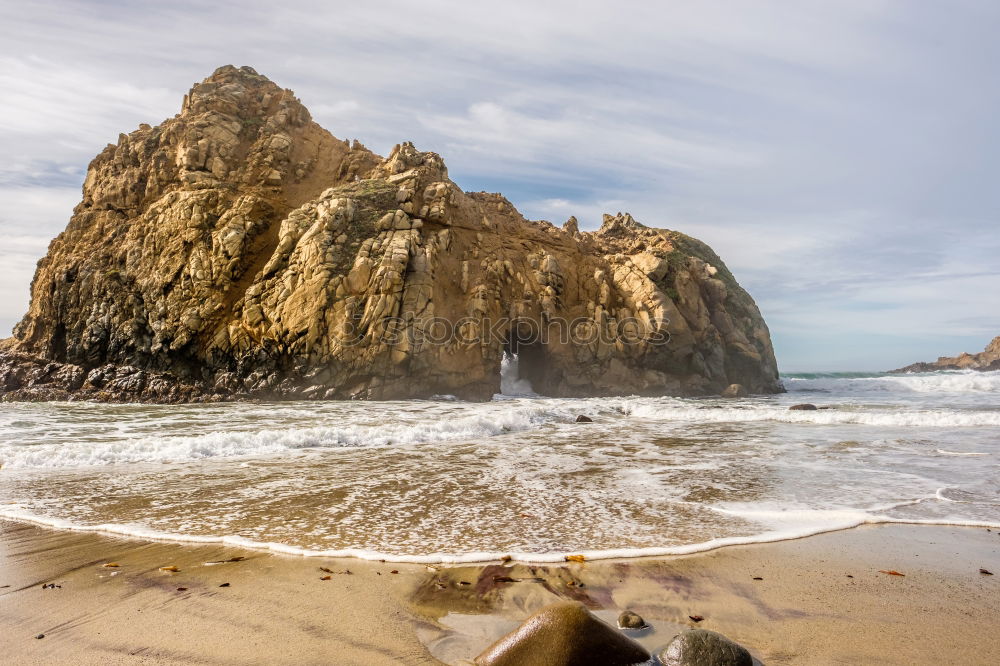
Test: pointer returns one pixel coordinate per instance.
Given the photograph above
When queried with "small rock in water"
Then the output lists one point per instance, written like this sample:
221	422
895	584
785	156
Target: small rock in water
803	408
734	391
701	647
563	634
584	419
630	620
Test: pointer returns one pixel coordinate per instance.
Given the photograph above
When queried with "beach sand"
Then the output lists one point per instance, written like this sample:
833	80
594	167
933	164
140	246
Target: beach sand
820	600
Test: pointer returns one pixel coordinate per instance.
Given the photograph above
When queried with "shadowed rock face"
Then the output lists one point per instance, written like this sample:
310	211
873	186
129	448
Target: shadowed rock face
988	359
240	248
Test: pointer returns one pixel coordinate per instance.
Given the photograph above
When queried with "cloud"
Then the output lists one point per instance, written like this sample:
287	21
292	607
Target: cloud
839	156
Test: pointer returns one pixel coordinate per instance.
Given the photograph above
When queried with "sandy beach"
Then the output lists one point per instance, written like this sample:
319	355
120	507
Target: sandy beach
818	600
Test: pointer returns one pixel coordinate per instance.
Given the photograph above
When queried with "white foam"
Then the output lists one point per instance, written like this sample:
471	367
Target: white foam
957	381
933	418
960	453
833	521
480	423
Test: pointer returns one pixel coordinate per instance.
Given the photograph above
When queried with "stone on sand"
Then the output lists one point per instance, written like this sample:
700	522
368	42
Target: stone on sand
563	634
630	620
701	647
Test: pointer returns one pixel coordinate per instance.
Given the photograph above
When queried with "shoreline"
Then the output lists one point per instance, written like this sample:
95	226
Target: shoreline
473	558
819	600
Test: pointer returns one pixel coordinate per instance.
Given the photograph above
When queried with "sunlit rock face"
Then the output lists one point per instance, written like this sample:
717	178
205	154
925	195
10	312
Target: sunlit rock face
240	249
986	360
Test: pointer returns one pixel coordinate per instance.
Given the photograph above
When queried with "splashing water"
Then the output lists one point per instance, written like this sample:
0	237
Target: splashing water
511	384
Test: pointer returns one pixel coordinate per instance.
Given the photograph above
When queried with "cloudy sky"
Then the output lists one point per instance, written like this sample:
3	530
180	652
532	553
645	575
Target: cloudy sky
842	157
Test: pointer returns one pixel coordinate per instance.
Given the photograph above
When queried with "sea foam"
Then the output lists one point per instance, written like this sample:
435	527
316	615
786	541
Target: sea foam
515	417
953	381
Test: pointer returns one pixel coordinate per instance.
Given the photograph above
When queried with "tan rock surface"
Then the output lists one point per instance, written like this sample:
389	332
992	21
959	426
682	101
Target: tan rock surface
988	359
240	248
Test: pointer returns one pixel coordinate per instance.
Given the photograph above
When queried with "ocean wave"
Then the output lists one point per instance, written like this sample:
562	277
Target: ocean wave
957	381
932	418
514	417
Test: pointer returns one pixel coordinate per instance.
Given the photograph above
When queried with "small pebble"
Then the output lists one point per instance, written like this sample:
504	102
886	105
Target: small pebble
224	585
40	636
630	620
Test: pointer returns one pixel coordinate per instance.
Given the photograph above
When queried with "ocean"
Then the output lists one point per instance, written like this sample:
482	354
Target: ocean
450	481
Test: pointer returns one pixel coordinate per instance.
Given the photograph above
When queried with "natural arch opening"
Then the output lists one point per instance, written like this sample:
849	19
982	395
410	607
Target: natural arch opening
522	369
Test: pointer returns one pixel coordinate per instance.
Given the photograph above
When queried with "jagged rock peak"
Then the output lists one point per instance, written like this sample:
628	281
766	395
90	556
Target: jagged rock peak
239	248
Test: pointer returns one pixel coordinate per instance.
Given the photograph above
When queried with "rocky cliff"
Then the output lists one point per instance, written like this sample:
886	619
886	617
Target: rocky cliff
988	359
239	249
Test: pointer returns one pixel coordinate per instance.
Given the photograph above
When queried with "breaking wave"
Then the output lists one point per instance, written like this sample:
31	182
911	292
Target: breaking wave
487	423
957	381
932	418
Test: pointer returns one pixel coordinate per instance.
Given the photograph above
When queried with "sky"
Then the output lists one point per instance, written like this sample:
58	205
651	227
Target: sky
841	157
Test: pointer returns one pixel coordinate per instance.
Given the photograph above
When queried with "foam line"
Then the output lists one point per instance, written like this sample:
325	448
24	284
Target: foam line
143	534
929	418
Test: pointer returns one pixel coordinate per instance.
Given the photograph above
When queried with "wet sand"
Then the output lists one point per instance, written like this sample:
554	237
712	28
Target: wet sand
820	600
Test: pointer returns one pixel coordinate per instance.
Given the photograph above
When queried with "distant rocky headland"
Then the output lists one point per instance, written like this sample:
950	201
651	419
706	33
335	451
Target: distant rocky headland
240	250
988	359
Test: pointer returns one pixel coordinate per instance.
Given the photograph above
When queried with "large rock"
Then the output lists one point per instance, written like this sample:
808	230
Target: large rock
563	634
988	359
243	249
701	647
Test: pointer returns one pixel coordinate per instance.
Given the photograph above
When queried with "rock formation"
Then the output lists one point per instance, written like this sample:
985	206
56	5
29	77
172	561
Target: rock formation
988	359
239	249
